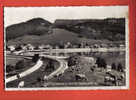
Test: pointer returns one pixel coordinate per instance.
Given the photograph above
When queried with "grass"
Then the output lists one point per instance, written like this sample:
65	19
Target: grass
31	80
12	60
58	36
115	57
96	77
69	77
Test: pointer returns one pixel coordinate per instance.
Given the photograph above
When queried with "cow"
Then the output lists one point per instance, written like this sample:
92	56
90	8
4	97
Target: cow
110	78
81	77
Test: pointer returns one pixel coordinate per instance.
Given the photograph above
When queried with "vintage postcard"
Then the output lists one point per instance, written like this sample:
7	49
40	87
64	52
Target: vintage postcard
66	48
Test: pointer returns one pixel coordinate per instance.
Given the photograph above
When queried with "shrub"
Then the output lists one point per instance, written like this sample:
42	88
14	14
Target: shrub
73	60
10	68
20	65
50	65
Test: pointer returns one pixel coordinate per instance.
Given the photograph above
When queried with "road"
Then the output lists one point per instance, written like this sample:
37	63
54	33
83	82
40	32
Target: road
60	70
57	72
25	73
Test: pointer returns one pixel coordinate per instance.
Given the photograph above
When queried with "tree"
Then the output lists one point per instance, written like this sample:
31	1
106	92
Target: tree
39	79
50	65
101	63
113	66
72	60
120	67
35	58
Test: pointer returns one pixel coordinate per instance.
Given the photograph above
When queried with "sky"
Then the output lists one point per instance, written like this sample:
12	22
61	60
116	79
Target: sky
14	15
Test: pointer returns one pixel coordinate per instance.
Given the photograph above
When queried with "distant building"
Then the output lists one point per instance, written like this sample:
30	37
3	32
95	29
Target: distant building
30	47
41	47
91	46
109	68
111	45
68	45
44	47
96	46
75	46
87	46
122	46
82	45
11	47
56	47
103	45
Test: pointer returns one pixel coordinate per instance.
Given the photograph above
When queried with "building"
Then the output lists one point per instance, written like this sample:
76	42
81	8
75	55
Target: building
11	47
30	47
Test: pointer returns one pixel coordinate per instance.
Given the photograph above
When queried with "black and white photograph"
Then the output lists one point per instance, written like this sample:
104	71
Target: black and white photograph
66	48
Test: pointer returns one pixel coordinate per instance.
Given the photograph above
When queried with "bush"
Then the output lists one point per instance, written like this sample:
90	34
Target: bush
50	65
20	65
18	48
10	68
39	79
73	60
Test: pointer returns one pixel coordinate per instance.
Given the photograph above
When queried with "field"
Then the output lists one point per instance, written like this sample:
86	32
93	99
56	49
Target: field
94	78
111	57
33	78
12	60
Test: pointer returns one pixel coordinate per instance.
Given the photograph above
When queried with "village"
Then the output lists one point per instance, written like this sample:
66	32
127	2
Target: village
65	48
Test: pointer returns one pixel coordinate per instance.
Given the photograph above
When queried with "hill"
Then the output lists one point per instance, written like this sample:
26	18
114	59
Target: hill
57	37
39	31
36	26
111	29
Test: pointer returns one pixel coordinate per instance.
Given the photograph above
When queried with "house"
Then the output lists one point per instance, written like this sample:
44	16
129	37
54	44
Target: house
91	46
24	47
111	45
82	27
48	46
103	45
75	46
56	47
65	46
122	46
109	68
82	45
11	47
68	45
87	46
96	46
30	47
41	47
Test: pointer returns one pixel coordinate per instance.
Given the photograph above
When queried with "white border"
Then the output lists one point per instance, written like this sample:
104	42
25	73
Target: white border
85	88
